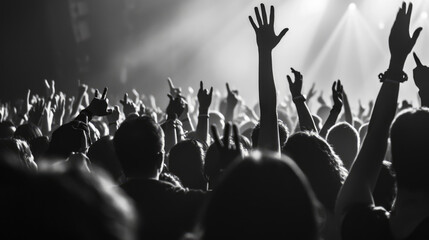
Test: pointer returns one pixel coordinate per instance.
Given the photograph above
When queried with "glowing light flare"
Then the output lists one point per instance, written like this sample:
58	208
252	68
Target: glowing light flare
352	6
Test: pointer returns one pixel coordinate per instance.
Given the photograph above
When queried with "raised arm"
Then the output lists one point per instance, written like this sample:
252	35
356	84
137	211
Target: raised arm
421	79
358	187
337	95
305	119
204	100
347	110
267	40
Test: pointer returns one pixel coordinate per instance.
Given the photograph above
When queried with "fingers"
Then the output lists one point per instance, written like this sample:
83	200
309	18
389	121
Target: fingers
289	80
226	134
28	96
170	97
97	93
410	10
264	14
416	35
125	97
170	83
227	88
340	87
46	83
417	60
104	93
283	33
236	136
272	15
253	23
211	92
258	16
216	138
201	85
333	87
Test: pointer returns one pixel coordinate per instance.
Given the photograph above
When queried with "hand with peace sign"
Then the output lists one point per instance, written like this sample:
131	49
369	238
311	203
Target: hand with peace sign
421	79
99	105
128	105
337	95
227	152
174	92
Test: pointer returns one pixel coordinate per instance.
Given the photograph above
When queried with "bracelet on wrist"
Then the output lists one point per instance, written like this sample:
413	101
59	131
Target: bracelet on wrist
393	76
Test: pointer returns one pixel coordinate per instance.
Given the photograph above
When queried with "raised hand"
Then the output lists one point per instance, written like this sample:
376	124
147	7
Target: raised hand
232	97
114	117
265	35
99	105
227	152
49	89
337	95
35	115
204	98
60	110
421	75
295	87
175	107
82	88
400	42
128	105
174	92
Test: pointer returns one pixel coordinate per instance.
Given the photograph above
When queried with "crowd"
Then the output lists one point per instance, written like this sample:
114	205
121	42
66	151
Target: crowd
211	167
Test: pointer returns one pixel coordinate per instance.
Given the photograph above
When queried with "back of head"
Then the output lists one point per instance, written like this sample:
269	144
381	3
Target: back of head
319	163
186	161
409	136
102	153
70	137
345	140
28	132
17	153
283	134
139	145
261	197
69	204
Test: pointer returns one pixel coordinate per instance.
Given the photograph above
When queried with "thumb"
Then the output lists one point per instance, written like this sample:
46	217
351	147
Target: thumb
416	35
282	33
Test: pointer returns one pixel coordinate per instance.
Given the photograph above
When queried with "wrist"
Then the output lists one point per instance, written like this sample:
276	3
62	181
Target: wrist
203	111
396	64
298	98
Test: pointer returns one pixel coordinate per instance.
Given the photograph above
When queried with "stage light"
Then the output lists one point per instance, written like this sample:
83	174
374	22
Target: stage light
352	6
424	15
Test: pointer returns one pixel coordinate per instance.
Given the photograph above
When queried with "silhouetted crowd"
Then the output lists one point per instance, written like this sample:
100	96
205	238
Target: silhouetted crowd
211	167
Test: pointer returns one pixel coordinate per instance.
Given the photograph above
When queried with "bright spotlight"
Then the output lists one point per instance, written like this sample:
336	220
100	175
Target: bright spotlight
424	15
352	6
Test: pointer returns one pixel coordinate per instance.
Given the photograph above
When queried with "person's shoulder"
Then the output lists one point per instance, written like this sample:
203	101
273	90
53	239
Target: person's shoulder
366	222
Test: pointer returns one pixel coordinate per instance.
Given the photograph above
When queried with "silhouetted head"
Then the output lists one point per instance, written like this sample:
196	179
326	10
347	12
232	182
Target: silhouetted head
344	139
68	204
283	134
27	132
139	145
17	153
102	154
7	129
319	163
69	138
186	161
261	197
39	146
409	136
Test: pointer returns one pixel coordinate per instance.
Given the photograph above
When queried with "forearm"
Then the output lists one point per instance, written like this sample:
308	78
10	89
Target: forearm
332	119
305	119
347	111
202	126
364	173
229	114
269	135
